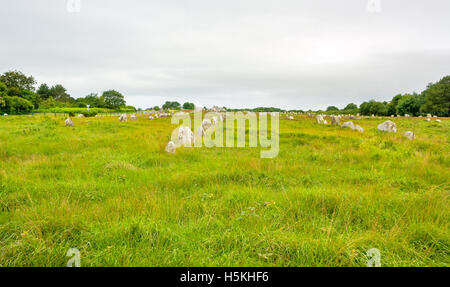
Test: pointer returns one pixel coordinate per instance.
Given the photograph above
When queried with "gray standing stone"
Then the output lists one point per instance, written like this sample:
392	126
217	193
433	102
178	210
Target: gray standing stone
409	135
170	148
388	126
348	124
69	122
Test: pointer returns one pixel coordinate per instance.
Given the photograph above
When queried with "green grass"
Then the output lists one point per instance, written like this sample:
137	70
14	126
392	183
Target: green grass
110	190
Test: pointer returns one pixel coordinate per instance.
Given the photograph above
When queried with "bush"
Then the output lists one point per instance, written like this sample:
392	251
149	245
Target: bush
16	105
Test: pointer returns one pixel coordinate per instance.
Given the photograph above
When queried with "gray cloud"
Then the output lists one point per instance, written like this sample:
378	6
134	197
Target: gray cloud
290	54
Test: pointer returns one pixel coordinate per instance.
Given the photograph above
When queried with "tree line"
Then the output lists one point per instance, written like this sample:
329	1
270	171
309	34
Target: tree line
18	95
435	100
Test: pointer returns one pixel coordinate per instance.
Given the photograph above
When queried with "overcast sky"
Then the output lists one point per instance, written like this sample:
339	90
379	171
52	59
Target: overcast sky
244	53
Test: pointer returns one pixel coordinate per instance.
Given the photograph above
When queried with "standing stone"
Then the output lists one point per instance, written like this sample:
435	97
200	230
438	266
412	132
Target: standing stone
358	129
388	126
69	122
185	136
428	115
335	120
319	119
170	148
200	131
348	124
206	124
409	135
123	118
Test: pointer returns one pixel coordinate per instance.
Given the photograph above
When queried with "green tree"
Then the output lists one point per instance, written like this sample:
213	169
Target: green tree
113	99
3	94
351	106
58	92
373	108
16	105
437	98
156	108
171	106
43	91
18	79
188	106
332	108
392	106
93	100
32	97
410	104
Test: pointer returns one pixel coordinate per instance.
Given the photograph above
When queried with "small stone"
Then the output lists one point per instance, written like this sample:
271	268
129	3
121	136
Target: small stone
69	122
170	148
409	135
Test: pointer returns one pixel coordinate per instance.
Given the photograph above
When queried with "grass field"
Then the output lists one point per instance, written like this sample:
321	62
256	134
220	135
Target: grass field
110	190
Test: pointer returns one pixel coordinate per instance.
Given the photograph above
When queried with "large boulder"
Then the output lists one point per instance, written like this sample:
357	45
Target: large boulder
409	135
348	124
80	115
5	114
133	117
185	136
388	126
69	122
170	148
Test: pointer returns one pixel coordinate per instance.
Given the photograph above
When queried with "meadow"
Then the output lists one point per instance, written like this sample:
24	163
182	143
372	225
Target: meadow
110	190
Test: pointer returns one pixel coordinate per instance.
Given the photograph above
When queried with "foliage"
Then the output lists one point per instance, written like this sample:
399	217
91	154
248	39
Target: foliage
351	106
113	99
93	100
332	108
188	106
410	104
437	98
373	108
16	105
18	79
171	106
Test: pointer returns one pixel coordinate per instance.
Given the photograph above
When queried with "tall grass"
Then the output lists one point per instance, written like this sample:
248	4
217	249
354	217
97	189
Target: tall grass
110	190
